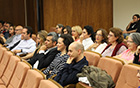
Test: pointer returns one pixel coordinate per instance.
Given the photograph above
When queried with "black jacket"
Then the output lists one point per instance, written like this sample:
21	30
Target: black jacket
44	59
68	74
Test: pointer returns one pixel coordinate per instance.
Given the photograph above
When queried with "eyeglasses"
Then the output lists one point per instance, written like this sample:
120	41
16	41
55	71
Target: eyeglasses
129	41
17	29
11	28
99	35
6	26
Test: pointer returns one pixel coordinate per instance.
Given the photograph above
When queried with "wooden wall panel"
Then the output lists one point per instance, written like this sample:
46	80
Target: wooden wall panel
98	13
32	14
12	11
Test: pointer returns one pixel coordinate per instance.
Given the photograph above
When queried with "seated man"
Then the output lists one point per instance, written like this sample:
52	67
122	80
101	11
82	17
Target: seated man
132	26
27	45
73	66
60	59
6	29
17	37
46	54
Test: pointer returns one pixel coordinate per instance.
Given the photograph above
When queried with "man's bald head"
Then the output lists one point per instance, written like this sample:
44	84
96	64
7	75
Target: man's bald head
18	29
77	46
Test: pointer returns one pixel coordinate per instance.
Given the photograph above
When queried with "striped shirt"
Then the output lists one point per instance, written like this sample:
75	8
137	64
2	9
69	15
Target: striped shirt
56	65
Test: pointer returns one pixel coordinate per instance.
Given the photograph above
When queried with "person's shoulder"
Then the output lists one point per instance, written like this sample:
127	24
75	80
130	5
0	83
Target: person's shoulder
123	45
138	22
54	50
32	41
84	60
104	44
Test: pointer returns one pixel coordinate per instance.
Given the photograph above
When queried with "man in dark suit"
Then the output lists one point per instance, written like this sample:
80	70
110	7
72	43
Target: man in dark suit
47	52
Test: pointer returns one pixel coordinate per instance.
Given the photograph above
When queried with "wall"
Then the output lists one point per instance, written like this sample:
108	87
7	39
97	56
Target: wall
123	10
12	11
32	14
98	13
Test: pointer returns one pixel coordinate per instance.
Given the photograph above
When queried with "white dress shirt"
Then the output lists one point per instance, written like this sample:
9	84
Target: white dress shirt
100	48
87	42
27	46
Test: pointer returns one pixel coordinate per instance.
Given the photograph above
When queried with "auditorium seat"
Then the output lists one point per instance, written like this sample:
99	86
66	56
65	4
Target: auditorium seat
2	50
32	79
4	62
19	75
82	85
112	66
49	84
6	77
128	77
92	57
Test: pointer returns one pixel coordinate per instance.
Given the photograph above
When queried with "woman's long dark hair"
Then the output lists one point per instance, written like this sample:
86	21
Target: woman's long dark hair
89	29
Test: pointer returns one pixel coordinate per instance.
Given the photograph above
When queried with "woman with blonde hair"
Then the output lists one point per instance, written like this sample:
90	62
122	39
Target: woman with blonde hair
41	38
76	32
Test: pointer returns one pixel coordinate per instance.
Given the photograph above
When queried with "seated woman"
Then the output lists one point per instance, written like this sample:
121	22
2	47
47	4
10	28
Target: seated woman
88	36
67	30
137	56
41	37
76	32
11	36
100	41
115	46
60	59
128	55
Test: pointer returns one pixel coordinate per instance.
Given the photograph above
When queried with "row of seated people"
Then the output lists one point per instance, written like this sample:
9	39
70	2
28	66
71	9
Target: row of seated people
61	42
116	47
110	65
6	28
98	43
67	74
